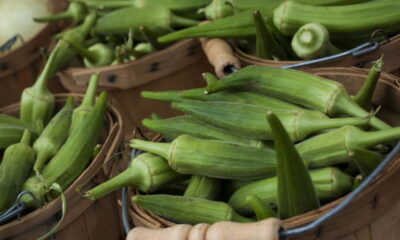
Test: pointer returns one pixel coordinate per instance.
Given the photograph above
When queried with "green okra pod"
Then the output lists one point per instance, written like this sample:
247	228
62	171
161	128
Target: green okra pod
188	125
312	41
76	12
318	93
342	22
10	120
267	46
17	162
87	104
147	173
330	183
296	192
121	21
188	209
174	5
260	208
212	158
332	147
11	134
97	55
364	95
203	187
365	160
249	120
53	135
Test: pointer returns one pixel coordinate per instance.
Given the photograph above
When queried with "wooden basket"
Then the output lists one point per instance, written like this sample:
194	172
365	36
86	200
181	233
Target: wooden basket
19	69
390	51
179	66
85	219
375	214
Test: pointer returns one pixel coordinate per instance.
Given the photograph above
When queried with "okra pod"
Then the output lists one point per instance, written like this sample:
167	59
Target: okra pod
97	55
327	96
147	173
212	158
364	95
296	192
17	162
87	104
10	120
249	120
11	134
330	183
188	125
53	135
76	12
312	41
342	22
121	21
187	209
332	147
365	160
203	187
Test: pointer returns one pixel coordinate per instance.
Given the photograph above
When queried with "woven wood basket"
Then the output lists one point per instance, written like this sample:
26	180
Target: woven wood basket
375	214
19	69
178	66
85	219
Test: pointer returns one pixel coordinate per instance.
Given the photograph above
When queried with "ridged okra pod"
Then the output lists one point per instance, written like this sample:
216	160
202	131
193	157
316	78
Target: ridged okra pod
37	102
187	209
121	21
249	120
296	192
203	187
330	183
72	158
147	173
312	41
342	22
87	104
53	135
17	162
11	134
10	120
76	12
318	93
188	125
365	160
174	5
212	158
364	95
332	147
217	9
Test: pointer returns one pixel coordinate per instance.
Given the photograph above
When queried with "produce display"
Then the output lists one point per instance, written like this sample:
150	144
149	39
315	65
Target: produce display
253	146
47	146
113	32
294	30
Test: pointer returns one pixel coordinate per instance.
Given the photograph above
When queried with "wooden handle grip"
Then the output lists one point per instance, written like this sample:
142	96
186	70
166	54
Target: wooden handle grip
262	230
219	54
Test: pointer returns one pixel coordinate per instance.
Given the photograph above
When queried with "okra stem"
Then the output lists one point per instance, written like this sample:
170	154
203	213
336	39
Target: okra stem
161	149
364	96
326	123
91	56
368	139
90	95
166	96
261	209
26	137
53	18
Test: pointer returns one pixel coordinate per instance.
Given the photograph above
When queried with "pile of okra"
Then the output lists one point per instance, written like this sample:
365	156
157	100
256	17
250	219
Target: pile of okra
45	149
261	142
108	32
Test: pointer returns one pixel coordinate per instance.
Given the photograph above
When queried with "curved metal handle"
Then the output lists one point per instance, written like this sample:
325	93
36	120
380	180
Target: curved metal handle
18	207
